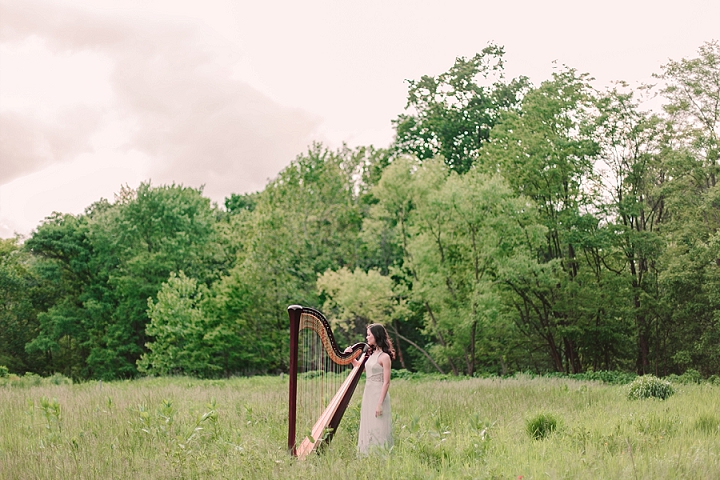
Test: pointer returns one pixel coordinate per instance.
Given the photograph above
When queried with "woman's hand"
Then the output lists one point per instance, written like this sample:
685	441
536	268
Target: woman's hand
378	410
347	350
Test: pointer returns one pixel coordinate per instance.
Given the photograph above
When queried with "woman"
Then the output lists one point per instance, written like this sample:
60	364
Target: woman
375	415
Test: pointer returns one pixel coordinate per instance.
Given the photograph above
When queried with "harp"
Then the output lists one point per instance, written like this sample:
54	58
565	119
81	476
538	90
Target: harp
320	387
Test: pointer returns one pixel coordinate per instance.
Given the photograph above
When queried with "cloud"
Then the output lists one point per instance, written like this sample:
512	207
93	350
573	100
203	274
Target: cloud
201	124
197	122
28	144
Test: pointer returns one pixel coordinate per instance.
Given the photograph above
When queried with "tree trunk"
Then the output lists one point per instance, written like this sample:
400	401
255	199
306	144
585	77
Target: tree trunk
572	356
471	365
643	362
422	350
397	344
440	337
555	354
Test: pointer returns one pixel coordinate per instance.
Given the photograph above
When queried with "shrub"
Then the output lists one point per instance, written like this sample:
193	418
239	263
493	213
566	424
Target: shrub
31	379
649	386
713	380
401	373
541	425
610	377
4	372
689	377
59	379
606	376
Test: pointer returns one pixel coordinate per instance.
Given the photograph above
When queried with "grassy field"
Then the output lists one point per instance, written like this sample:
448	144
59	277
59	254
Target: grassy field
474	428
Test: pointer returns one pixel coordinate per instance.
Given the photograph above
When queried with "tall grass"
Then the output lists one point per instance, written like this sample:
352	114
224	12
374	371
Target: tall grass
473	428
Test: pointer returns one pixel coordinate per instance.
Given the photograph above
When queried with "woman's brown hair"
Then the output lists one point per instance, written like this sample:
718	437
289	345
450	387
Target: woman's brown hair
382	339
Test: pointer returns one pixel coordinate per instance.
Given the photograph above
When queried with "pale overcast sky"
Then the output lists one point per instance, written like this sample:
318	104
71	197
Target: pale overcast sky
95	94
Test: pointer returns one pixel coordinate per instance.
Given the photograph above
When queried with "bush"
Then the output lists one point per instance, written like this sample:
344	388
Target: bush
691	376
4	372
403	374
606	376
713	380
541	425
60	379
610	377
31	379
649	386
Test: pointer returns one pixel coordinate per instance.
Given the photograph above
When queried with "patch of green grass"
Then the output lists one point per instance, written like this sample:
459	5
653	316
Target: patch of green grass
708	423
168	428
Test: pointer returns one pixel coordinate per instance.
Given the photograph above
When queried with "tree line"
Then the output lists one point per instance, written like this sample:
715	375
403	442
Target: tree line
509	227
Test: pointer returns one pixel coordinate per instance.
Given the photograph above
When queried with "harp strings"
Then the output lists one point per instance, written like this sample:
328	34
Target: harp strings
319	378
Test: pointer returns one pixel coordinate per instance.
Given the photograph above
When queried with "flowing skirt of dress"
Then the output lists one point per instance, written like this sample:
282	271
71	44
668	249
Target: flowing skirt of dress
375	432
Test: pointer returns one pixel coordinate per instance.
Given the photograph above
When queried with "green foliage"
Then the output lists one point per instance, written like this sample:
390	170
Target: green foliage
235	203
540	426
59	379
649	386
688	377
546	152
457	232
509	228
177	329
108	262
691	87
356	299
610	377
451	115
33	380
4	371
22	291
432	376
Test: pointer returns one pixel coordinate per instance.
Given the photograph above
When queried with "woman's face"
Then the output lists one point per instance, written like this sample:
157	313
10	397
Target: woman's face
370	338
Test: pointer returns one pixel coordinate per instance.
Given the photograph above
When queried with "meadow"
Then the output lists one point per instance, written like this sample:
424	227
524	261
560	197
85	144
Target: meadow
163	428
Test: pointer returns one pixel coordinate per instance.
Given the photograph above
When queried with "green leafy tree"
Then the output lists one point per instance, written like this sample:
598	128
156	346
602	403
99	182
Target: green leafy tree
305	222
455	232
634	169
466	228
177	328
355	299
22	293
545	151
66	261
150	232
691	87
108	262
451	115
689	278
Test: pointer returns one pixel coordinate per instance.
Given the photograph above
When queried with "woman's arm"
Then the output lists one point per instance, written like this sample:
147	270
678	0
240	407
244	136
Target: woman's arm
384	360
355	361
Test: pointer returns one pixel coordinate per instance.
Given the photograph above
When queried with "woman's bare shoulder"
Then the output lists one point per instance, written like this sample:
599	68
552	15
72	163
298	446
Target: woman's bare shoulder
383	357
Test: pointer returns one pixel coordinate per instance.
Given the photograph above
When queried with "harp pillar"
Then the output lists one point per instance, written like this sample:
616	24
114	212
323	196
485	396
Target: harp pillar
294	311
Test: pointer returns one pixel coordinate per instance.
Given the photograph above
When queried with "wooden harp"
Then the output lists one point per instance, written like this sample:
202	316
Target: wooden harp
320	387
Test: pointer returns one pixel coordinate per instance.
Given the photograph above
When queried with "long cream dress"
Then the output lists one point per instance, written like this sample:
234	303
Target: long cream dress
374	431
